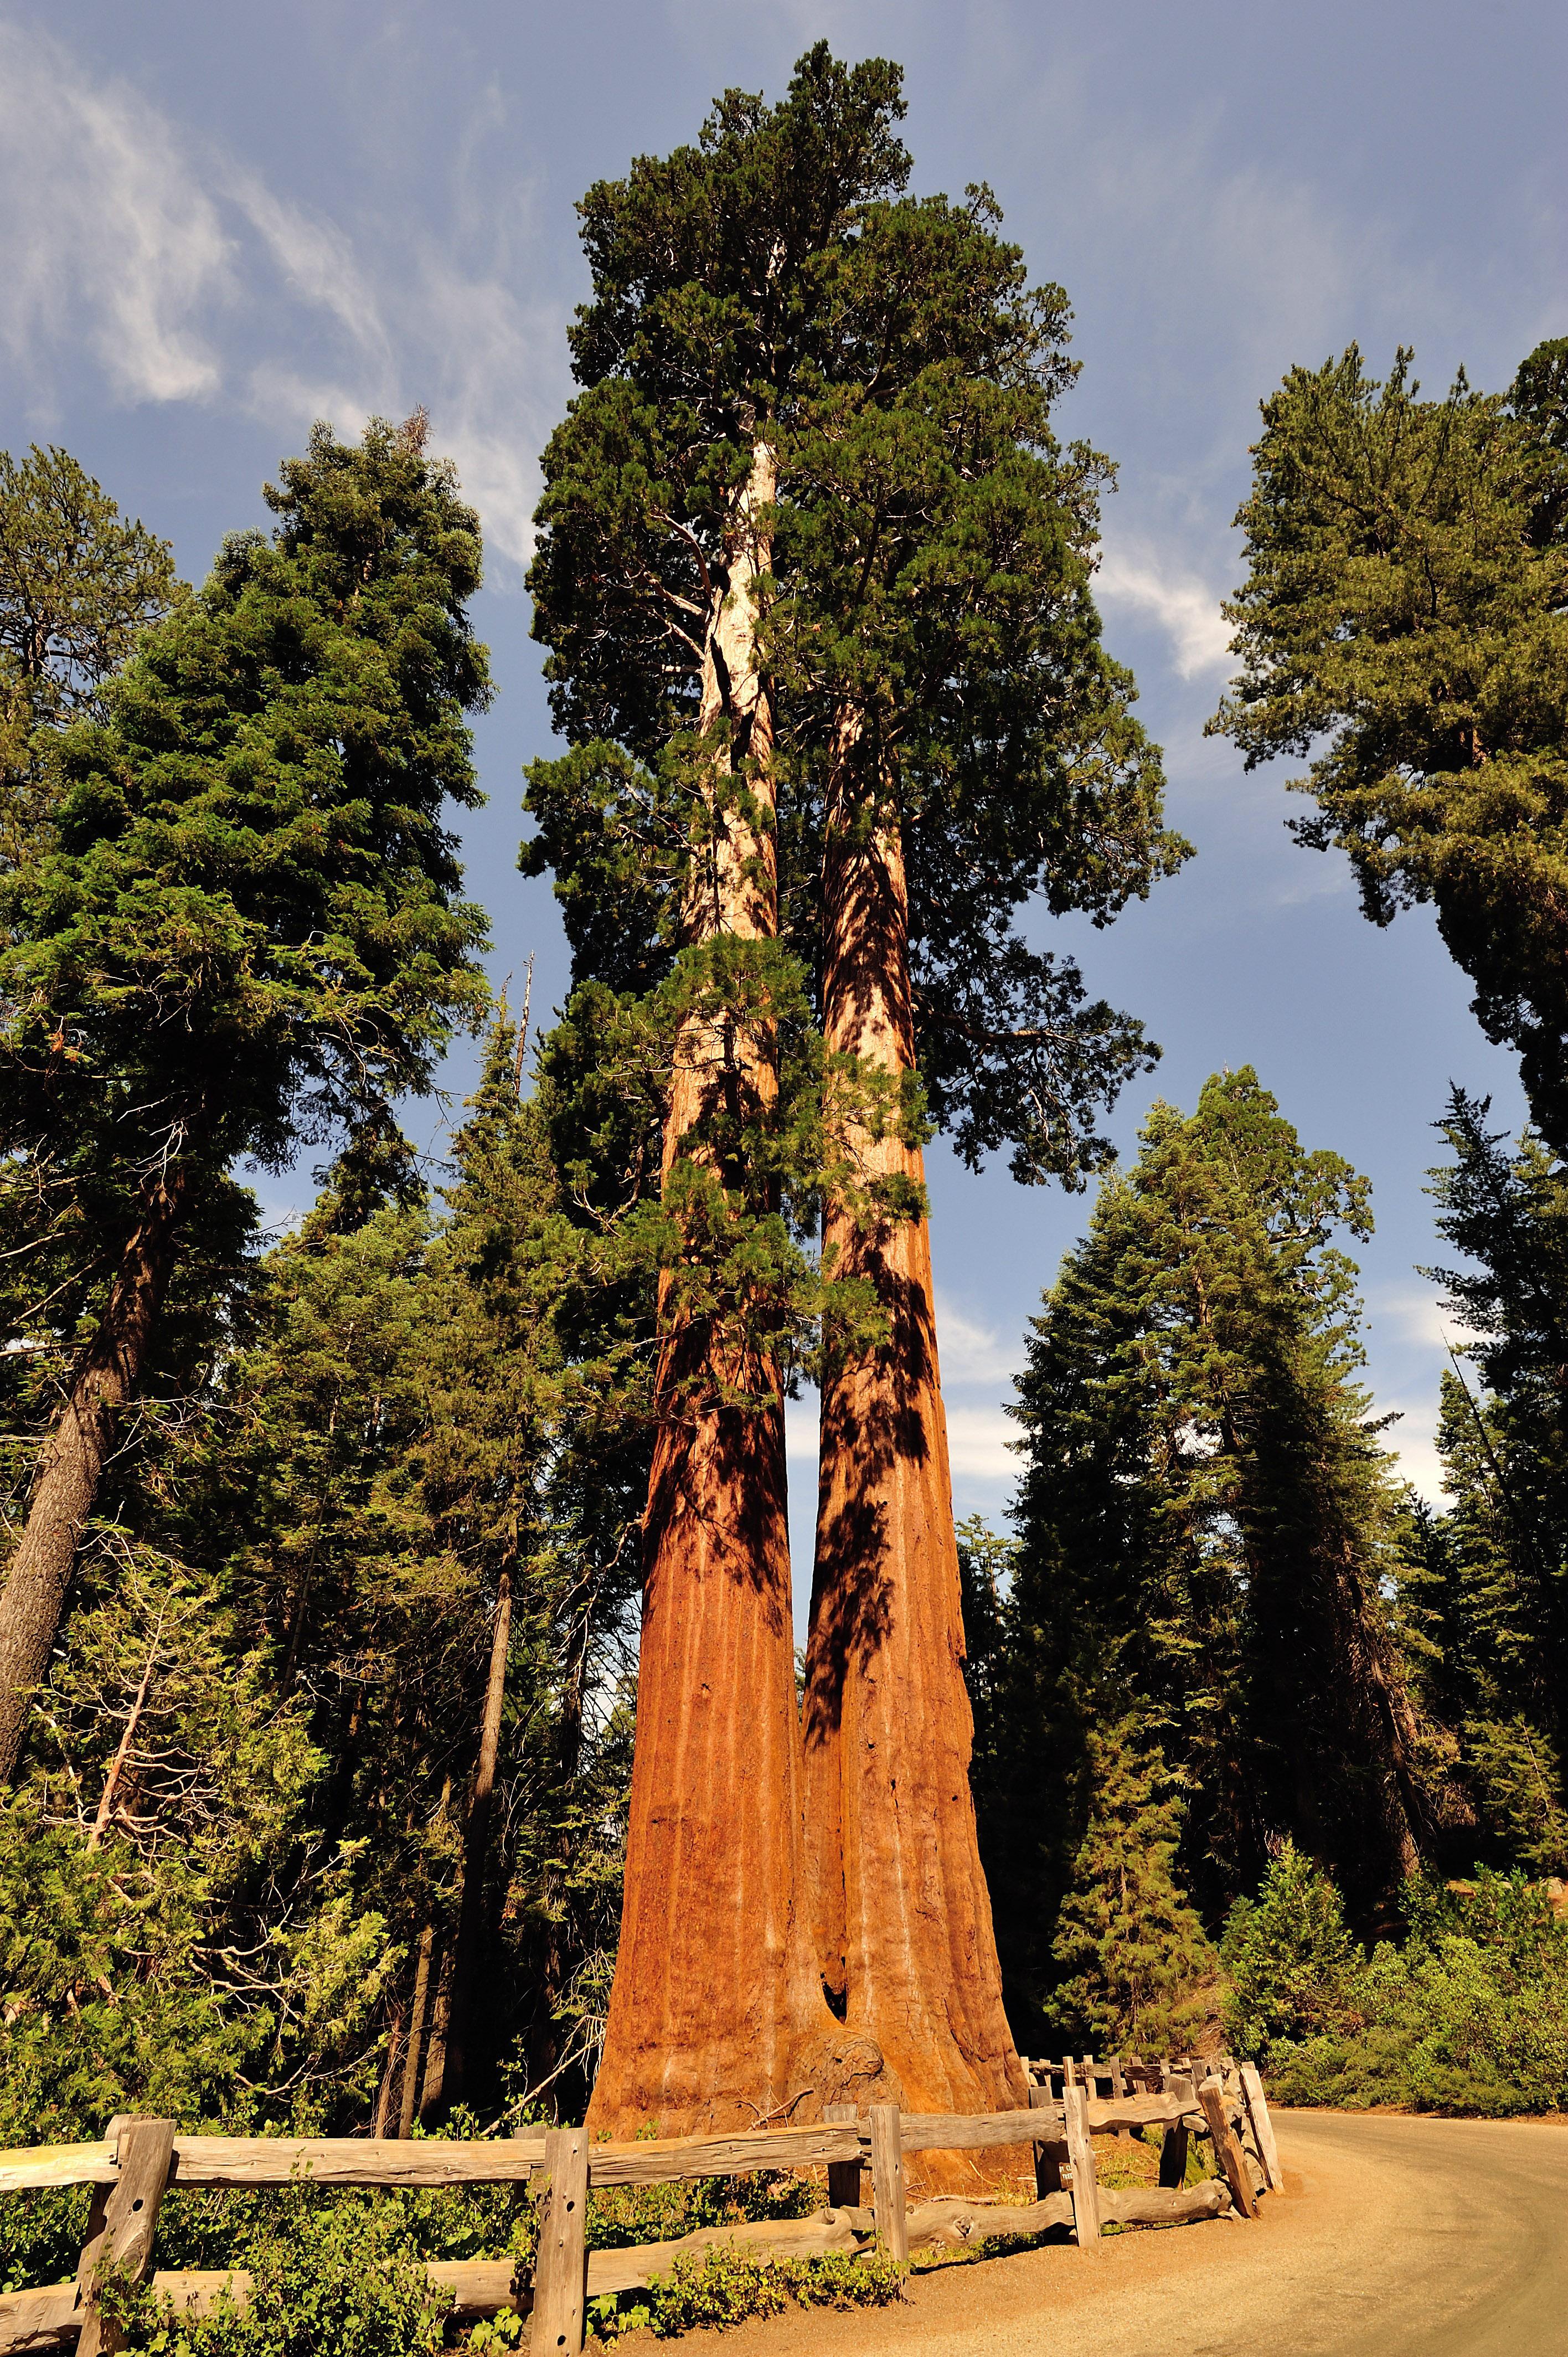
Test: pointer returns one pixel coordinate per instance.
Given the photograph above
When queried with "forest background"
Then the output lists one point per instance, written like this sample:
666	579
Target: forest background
213	283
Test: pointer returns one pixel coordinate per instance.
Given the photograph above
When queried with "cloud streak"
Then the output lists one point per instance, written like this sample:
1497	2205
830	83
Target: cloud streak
1177	602
107	241
186	277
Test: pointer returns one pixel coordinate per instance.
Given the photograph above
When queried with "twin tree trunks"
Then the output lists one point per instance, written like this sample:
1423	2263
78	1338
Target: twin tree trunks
765	1875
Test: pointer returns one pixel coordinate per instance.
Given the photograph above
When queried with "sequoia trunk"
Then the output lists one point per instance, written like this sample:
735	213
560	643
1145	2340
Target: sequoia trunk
72	1465
902	1913
717	2015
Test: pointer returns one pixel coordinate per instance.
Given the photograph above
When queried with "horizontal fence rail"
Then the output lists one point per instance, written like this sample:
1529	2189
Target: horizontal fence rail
131	2167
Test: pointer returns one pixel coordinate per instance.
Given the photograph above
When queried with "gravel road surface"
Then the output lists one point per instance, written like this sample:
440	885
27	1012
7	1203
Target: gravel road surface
1394	2237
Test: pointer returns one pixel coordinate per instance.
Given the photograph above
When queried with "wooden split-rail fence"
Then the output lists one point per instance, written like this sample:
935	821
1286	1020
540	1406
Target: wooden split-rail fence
138	2159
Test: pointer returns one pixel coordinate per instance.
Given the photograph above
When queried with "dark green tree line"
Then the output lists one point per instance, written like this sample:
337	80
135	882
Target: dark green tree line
1200	1634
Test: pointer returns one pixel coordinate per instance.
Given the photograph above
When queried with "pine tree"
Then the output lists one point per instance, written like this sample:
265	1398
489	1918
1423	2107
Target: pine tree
1128	1945
1407	575
244	928
1206	1532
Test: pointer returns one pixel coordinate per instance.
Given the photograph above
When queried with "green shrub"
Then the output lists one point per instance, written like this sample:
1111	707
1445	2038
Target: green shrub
344	2278
729	2284
624	2215
1468	2015
1292	1965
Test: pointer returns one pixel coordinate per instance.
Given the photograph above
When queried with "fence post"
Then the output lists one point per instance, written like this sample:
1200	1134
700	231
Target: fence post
1080	2156
560	2270
844	2176
1048	2167
887	2181
1227	2151
120	2225
1262	2126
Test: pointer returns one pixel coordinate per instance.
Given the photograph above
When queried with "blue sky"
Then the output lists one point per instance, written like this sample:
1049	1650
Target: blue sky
219	222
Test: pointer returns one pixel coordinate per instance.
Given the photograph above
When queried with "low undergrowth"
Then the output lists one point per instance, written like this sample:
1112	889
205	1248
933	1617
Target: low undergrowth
1469	2013
730	2284
624	2215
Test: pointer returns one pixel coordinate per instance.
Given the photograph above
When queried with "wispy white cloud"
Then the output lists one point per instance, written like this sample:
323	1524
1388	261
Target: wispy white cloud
1175	601
1418	1318
108	241
978	1447
971	1352
183	275
1413	1442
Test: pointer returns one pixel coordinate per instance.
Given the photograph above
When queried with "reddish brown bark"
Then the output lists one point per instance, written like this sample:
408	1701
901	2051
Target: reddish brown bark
73	1460
717	2015
899	1899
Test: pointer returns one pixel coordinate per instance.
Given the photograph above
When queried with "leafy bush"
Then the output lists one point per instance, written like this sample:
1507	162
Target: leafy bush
624	2215
1469	2015
344	2278
729	2284
1292	1962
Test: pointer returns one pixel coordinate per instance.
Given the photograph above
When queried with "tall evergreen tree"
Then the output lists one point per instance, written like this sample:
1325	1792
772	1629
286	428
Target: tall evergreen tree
1206	1528
661	490
963	745
1405	600
945	734
1494	1604
244	928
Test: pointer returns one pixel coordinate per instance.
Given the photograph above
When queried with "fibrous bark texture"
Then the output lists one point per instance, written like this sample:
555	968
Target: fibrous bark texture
901	1908
72	1464
717	2015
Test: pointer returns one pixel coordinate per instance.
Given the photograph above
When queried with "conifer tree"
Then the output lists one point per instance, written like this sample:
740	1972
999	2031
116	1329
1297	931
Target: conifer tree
244	930
76	584
1206	1531
660	495
1407	579
1128	1945
970	747
1493	1605
945	739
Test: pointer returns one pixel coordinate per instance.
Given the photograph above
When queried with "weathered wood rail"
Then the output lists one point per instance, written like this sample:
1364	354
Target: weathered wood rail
138	2160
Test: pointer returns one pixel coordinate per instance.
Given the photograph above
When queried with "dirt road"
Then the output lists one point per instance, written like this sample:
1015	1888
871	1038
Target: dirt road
1394	2238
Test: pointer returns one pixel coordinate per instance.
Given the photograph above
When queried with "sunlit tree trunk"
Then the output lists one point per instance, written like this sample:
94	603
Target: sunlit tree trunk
71	1463
716	2014
901	1910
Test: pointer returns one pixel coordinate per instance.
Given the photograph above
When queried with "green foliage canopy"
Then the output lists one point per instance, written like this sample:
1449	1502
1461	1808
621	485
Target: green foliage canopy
1407	599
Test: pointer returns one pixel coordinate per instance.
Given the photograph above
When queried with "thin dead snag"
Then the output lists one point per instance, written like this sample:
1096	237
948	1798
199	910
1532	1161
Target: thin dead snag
476	1857
716	2011
71	1463
902	1912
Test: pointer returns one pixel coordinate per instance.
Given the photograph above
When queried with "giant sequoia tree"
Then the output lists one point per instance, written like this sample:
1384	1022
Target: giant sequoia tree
815	581
240	928
1407	600
658	510
960	745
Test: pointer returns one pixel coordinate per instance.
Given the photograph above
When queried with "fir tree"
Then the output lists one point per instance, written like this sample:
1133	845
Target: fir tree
1206	1528
1407	575
1129	1948
244	931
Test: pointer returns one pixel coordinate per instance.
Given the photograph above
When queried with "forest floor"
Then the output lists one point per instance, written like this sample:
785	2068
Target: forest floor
1394	2237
